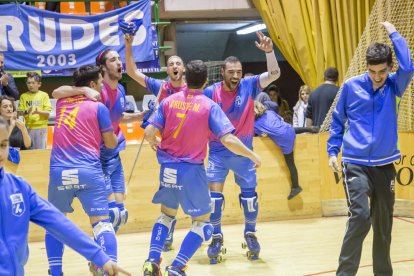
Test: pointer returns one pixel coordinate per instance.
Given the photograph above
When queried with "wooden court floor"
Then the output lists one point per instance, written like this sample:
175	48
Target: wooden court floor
296	247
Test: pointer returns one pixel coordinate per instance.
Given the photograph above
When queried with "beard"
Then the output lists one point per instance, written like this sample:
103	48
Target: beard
231	85
114	75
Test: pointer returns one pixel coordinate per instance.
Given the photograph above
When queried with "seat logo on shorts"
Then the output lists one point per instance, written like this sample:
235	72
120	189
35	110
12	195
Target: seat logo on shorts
170	176
18	206
70	180
169	179
70	177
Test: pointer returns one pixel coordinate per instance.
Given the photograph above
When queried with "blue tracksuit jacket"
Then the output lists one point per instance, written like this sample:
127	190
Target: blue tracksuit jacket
19	204
371	138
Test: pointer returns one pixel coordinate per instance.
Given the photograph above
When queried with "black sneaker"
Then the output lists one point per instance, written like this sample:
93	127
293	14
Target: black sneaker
294	192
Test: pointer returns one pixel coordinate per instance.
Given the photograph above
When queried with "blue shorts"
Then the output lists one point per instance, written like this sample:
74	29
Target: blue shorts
219	166
114	175
86	184
184	184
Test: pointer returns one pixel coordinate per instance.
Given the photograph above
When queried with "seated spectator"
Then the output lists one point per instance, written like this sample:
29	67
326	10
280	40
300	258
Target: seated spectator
7	85
284	110
299	110
322	98
19	136
36	106
269	123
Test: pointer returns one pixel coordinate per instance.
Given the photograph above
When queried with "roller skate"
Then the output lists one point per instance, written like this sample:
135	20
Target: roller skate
174	271
151	268
168	243
215	249
252	245
96	270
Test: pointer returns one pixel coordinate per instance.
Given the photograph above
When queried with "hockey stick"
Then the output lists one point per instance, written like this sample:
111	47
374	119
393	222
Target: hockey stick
135	161
151	110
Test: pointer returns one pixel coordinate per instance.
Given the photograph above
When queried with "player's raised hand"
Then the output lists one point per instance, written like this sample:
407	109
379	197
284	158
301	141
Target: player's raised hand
128	39
389	27
265	43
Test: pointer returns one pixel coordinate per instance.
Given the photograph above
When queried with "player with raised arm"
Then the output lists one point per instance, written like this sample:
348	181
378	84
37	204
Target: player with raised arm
185	119
369	104
75	169
235	95
161	89
113	97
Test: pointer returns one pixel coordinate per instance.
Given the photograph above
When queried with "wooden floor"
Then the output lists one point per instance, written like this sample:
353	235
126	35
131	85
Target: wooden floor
296	247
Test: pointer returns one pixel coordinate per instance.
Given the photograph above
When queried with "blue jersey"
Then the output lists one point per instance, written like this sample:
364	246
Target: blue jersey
186	119
239	108
162	89
19	204
114	100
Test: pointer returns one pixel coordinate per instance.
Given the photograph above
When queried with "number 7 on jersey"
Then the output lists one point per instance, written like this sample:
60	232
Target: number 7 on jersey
182	116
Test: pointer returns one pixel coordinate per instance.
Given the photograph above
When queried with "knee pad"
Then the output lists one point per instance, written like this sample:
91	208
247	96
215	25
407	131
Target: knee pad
250	203
202	228
118	217
217	202
102	226
115	216
165	220
124	216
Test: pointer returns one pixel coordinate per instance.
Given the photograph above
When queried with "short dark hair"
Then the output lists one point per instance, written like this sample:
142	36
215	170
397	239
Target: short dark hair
272	87
195	74
331	74
34	75
85	74
378	53
230	59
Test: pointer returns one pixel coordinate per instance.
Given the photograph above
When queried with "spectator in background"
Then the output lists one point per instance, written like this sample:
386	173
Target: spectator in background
322	98
19	136
283	106
299	110
53	6
36	106
269	123
7	85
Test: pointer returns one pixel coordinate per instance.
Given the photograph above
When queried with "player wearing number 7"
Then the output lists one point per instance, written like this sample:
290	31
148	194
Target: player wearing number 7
185	120
75	168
